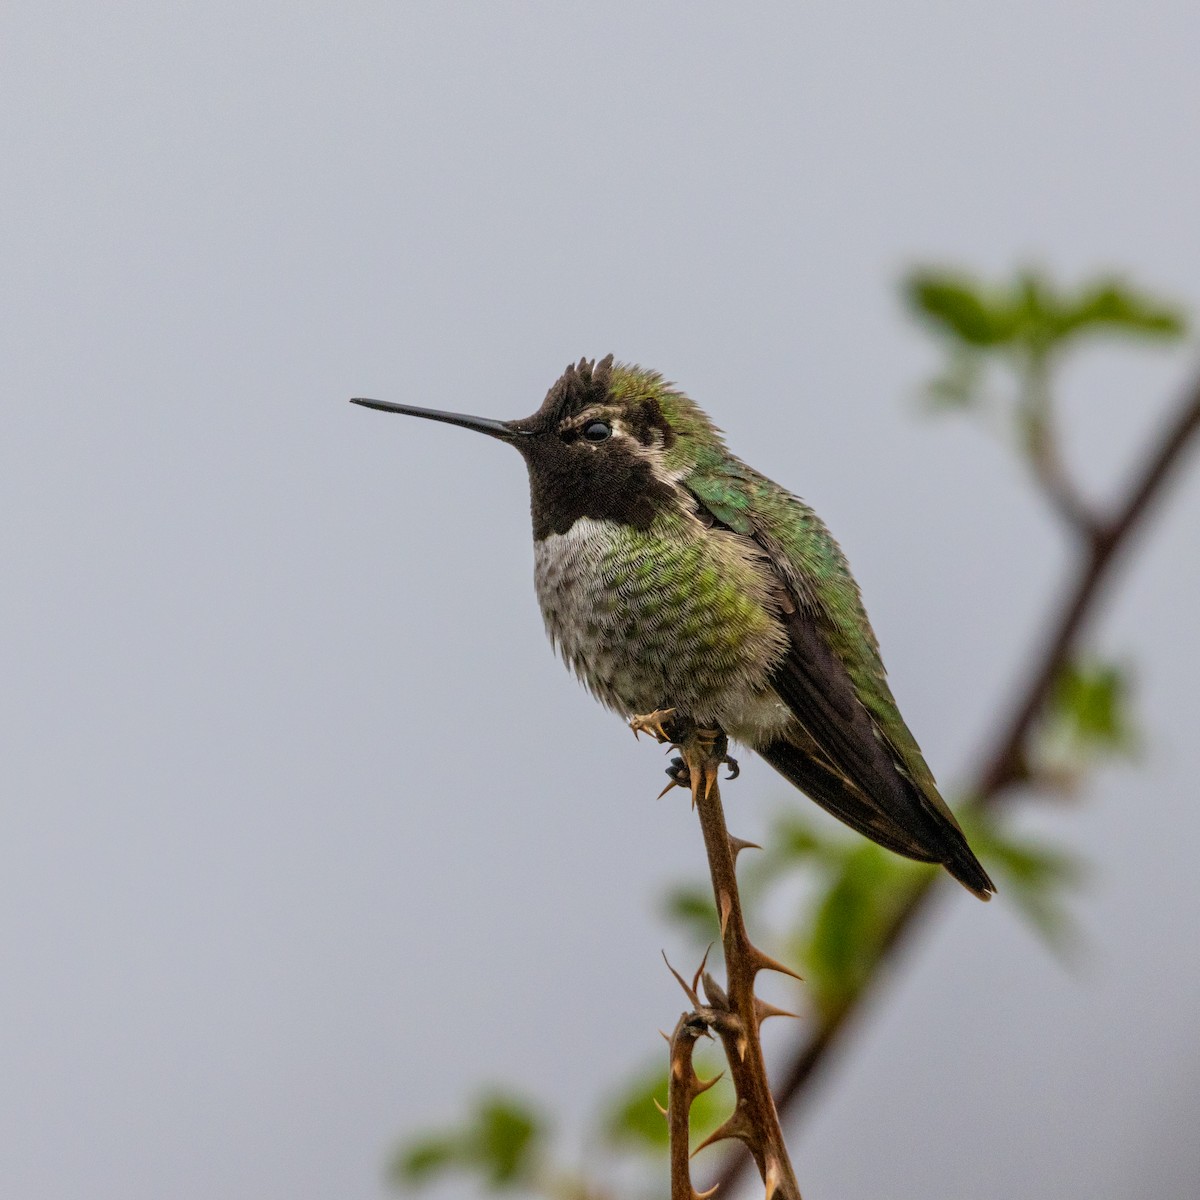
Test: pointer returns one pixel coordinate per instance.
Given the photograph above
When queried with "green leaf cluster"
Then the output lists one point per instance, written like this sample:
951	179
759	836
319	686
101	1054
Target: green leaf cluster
1034	876
501	1141
1092	700
633	1121
1031	311
841	918
848	925
1024	322
854	890
1087	718
504	1141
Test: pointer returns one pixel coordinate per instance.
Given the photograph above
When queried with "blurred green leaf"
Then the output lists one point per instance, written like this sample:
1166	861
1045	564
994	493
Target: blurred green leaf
795	838
1031	313
501	1141
960	385
633	1121
1035	877
423	1159
1094	698
1111	304
852	918
1087	716
691	906
506	1137
961	307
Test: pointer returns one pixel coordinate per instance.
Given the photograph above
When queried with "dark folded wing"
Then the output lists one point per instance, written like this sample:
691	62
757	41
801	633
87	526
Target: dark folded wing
815	685
847	767
852	754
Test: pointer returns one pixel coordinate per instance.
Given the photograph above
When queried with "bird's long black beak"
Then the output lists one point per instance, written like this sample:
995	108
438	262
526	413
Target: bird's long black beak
506	431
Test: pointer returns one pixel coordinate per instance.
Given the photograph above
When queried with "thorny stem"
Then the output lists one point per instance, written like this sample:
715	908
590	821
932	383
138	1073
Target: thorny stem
683	1087
1002	766
734	1014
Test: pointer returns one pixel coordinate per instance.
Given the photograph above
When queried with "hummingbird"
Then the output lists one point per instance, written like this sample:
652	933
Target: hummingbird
671	575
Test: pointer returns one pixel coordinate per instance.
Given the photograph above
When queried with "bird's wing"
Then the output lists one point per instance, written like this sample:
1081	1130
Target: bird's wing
831	677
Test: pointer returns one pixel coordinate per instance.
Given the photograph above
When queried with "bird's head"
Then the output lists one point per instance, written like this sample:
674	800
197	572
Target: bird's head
610	441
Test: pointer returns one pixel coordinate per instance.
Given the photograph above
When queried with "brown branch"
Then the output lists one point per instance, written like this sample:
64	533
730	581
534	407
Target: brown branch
683	1086
734	1013
755	1117
1003	765
1052	476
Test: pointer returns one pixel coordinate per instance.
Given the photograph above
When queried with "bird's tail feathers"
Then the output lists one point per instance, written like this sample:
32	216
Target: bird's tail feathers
922	832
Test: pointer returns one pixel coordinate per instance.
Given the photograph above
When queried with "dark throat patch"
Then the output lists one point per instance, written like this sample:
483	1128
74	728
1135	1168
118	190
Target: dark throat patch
569	480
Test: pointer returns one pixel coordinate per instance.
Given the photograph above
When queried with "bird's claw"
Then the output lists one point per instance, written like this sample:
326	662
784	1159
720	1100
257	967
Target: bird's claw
680	776
659	724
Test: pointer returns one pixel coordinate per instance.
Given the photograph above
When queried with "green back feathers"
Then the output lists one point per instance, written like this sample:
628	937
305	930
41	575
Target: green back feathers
802	548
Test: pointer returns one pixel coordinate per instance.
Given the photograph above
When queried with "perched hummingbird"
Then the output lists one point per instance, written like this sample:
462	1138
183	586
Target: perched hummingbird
673	576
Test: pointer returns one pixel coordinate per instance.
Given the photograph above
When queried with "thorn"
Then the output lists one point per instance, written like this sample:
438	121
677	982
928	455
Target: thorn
715	993
702	1085
734	1127
726	909
665	1037
763	1010
689	992
764	962
704	1195
666	790
737	845
700	969
771	1176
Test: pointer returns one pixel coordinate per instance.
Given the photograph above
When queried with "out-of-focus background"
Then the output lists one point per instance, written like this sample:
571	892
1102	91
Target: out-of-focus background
305	834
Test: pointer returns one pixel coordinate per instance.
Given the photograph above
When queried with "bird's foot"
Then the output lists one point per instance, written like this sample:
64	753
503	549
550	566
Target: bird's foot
704	750
663	724
680	776
711	745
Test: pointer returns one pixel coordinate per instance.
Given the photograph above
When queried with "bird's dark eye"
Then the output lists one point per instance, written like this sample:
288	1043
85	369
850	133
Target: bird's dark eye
597	431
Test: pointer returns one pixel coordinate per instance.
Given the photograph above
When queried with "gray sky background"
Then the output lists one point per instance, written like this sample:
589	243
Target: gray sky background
305	833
